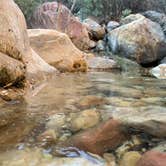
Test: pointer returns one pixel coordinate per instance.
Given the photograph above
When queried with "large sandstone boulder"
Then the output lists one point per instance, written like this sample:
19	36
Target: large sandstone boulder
57	49
14	43
12	71
53	15
141	40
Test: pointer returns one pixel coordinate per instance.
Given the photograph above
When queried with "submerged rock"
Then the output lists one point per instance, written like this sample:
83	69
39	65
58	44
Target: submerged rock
110	158
130	158
57	49
100	139
96	31
91	101
103	64
151	120
159	71
142	41
36	157
152	158
84	120
127	65
54	15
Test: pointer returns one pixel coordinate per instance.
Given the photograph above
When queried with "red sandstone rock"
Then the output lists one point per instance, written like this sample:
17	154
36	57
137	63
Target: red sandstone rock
53	15
152	158
98	140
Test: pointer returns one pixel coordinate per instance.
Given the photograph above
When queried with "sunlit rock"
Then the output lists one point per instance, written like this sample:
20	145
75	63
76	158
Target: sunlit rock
57	49
14	42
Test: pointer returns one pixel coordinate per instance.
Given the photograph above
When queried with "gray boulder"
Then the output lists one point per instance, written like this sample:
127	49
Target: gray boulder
130	18
142	41
160	18
112	25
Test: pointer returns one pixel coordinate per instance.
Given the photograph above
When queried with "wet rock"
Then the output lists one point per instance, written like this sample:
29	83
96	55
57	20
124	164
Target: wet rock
127	146
91	101
112	25
12	94
37	157
84	120
100	139
161	147
96	31
57	50
131	18
130	158
160	18
127	65
47	138
152	158
103	64
56	122
142	41
8	116
110	158
12	71
159	71
54	15
151	120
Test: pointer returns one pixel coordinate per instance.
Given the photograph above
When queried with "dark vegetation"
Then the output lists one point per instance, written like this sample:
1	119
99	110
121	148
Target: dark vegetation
103	10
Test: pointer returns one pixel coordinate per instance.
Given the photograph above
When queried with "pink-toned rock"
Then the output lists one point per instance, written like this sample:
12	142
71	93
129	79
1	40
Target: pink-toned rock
152	158
53	15
99	139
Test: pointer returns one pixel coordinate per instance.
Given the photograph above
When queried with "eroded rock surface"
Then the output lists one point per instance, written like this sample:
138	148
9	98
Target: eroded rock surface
14	43
57	50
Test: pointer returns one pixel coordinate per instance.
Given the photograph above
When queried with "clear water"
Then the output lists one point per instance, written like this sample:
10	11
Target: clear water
25	120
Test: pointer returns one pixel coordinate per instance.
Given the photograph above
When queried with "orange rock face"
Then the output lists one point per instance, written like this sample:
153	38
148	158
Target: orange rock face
57	49
53	15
